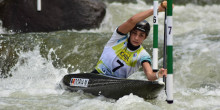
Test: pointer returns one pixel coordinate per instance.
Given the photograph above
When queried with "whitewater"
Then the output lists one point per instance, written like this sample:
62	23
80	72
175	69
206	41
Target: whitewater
36	62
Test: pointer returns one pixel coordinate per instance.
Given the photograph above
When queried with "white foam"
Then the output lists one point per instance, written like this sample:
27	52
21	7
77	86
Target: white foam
196	63
32	75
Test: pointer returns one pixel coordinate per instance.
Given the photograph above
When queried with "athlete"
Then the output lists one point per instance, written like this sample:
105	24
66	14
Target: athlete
123	54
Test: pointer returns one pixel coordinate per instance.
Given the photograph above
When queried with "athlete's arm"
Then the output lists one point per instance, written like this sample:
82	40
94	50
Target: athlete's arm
131	22
152	75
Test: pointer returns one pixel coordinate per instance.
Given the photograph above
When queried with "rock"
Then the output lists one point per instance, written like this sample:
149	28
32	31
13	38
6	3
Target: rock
22	15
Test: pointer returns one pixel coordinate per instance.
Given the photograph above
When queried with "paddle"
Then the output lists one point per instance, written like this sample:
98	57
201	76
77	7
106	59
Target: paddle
164	46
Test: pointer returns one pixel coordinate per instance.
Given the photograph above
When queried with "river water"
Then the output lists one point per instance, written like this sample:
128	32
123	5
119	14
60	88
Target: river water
32	64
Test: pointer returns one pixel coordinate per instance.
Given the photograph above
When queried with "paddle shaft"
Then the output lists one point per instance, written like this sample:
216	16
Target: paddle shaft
165	45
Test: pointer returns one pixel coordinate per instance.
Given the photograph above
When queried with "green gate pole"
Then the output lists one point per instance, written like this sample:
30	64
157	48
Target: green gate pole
155	36
169	81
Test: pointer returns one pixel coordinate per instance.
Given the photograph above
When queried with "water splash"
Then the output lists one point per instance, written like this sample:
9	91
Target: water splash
32	75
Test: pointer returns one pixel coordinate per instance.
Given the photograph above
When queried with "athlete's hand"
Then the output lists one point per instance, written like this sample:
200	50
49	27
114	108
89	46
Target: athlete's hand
162	72
163	6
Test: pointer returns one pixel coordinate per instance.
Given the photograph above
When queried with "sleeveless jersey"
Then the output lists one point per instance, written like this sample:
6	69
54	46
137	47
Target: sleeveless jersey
118	60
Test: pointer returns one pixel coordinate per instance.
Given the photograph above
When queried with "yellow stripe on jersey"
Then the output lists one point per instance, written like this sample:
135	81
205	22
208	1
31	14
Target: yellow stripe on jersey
129	57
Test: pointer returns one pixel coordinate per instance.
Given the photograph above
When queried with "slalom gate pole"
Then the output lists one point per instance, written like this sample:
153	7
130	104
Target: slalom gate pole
169	80
155	36
38	5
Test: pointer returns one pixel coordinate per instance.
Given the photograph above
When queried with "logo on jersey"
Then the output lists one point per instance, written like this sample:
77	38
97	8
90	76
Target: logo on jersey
124	55
135	54
122	52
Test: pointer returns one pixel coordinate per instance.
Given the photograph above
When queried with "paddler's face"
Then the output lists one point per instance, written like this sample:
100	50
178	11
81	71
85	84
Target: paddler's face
137	37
